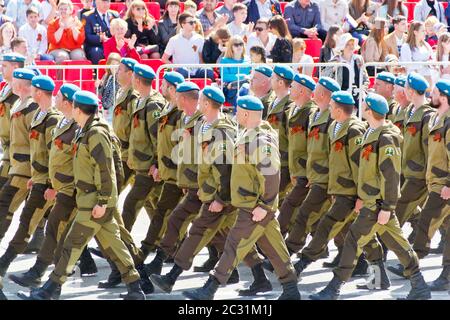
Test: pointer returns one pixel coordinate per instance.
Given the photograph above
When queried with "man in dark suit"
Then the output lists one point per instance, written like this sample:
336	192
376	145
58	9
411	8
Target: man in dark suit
96	26
262	9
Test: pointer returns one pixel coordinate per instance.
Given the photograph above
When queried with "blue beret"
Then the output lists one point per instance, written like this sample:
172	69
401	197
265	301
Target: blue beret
144	71
330	84
284	72
265	70
214	93
305	81
386	77
24	73
443	86
13	57
377	103
417	82
86	97
36	71
400	81
343	97
43	82
128	62
187	86
250	103
174	77
68	90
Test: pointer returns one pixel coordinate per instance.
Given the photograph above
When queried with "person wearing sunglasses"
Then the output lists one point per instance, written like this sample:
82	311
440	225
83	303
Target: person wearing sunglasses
261	37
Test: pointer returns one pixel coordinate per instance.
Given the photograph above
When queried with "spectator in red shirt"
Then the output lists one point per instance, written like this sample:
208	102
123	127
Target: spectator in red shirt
66	34
118	43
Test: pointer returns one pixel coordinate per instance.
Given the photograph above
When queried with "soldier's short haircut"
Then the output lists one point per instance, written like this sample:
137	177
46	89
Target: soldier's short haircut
85	108
17	41
214	104
287	83
444	95
347	108
378	116
193	94
145	81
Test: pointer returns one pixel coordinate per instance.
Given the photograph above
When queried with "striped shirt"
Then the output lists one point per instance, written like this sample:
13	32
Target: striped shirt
63	122
368	132
205	127
337	127
186	119
317	116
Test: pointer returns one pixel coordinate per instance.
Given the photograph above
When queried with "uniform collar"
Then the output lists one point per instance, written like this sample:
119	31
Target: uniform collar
323	118
343	130
441	121
279	107
418	114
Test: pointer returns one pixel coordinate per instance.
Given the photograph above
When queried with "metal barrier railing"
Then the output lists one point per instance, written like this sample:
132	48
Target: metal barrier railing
434	67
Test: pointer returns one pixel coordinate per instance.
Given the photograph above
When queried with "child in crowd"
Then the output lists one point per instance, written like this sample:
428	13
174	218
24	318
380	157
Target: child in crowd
108	86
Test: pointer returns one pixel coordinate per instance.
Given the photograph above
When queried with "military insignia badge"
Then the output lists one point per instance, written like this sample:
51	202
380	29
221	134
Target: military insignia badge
389	151
359	141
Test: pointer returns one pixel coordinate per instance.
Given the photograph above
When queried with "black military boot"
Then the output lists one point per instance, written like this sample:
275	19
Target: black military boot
419	288
301	264
134	292
146	284
361	267
234	277
36	241
290	291
397	270
206	292
114	278
378	279
87	265
146	250
442	283
96	252
385	250
49	291
31	278
155	267
209	264
260	283
166	282
5	260
330	292
335	262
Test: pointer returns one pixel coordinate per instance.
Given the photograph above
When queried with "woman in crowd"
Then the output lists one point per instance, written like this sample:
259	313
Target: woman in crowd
66	34
430	33
392	8
215	46
257	54
282	49
232	77
108	86
299	56
167	26
364	13
7	33
118	43
143	26
328	50
333	12
374	48
443	54
416	49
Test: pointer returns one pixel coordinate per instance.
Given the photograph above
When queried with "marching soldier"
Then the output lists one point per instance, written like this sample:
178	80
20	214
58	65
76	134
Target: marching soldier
378	188
261	87
401	97
142	156
10	61
384	86
15	189
217	141
96	197
299	113
255	182
40	135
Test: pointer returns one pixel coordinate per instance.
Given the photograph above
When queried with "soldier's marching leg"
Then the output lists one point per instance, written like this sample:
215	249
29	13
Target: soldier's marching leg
134	201
291	202
413	193
62	212
127	174
34	210
150	208
442	283
13	193
285	183
4	169
37	240
443	231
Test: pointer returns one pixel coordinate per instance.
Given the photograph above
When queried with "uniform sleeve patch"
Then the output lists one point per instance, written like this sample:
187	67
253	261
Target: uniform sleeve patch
389	151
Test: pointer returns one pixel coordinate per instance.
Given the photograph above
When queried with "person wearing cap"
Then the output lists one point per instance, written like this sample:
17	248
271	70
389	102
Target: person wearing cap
187	97
345	134
22	112
299	112
438	178
379	189
261	86
384	85
96	201
62	190
142	156
40	139
414	155
216	138
281	81
9	62
255	181
402	99
317	201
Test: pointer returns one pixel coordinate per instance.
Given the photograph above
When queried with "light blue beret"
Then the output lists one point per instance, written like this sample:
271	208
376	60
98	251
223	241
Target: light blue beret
386	77
284	72
305	81
214	93
24	73
174	77
417	82
86	97
129	63
68	90
377	103
187	86
443	86
144	71
330	84
250	103
265	70
43	82
400	81
13	57
343	97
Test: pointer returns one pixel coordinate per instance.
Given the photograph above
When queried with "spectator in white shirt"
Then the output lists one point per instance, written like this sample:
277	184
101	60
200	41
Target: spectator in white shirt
49	11
36	36
333	12
237	27
261	37
186	48
299	56
17	10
